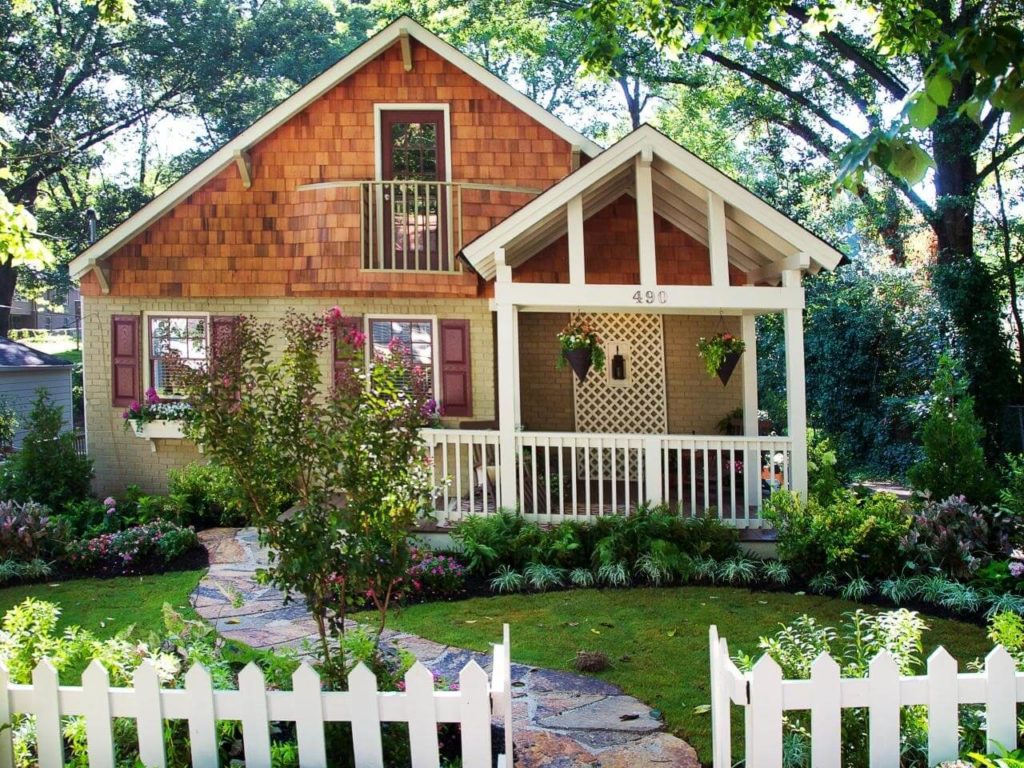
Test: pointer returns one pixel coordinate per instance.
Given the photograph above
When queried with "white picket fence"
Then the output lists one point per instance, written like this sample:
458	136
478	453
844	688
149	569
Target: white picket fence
422	707
765	696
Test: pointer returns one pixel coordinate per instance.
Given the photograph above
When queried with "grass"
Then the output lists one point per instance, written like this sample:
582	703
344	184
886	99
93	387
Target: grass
656	639
59	344
107	606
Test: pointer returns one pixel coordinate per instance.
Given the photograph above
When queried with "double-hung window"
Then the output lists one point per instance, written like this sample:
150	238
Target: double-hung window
415	335
184	337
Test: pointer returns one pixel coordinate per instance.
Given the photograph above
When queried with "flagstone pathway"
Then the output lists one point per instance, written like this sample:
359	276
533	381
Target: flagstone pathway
560	719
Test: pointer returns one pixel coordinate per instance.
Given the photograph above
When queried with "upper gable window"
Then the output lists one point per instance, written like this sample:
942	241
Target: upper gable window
413	145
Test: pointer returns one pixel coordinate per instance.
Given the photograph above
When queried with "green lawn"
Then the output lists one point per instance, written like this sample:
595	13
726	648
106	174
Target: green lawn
657	639
58	344
106	606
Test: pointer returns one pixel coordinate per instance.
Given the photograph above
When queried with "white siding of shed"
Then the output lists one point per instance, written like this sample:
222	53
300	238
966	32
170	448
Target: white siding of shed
19	388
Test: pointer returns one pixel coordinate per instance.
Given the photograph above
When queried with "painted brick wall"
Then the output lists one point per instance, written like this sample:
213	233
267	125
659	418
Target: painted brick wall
274	241
545	393
121	458
611	252
697	402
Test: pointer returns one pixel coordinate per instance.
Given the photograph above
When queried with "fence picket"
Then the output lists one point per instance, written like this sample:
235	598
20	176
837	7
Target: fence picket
46	705
884	712
1001	700
419	687
764	724
943	708
150	716
98	726
202	721
721	722
366	739
826	713
6	746
476	717
255	718
309	717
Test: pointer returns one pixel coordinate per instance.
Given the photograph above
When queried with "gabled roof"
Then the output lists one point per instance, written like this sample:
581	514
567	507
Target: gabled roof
301	99
758	235
15	355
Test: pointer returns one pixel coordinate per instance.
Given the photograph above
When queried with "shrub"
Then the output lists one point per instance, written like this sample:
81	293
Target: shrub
8	425
27	532
954	458
1007	630
856	535
86	518
1005	575
487	542
204	495
825	475
952	535
435	575
706	536
47	469
1010	508
139	549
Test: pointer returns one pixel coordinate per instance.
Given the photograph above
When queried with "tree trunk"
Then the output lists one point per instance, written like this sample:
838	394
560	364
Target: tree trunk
965	287
8	282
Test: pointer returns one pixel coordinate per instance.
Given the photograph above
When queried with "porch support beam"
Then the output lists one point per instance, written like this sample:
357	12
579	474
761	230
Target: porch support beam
577	265
718	248
508	384
656	298
752	462
796	391
645	218
799	261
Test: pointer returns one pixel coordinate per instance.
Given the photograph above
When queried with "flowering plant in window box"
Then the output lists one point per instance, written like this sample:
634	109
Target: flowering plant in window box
580	347
720	354
152	409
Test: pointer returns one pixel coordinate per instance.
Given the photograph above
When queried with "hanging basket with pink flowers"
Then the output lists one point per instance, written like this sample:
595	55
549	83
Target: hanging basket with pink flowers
720	354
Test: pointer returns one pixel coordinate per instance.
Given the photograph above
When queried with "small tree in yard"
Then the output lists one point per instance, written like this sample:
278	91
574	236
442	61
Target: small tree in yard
347	454
954	458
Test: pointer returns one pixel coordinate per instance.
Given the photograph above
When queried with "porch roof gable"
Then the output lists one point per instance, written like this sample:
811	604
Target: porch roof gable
761	240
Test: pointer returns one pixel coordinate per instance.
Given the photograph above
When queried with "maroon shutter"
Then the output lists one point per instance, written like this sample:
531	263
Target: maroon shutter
456	384
126	350
221	328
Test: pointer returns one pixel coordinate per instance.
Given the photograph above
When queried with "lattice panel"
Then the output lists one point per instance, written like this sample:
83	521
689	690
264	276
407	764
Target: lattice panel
639	407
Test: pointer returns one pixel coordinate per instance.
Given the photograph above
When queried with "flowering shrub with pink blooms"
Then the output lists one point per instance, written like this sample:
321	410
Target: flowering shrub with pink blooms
139	549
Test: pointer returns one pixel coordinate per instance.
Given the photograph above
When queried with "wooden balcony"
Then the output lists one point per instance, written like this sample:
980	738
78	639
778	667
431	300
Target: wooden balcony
411	225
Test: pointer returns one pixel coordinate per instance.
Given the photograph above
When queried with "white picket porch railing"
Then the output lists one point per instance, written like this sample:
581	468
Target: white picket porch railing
578	476
422	707
765	697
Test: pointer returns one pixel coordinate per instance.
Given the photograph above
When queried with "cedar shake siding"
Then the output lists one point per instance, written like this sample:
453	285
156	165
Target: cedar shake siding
274	241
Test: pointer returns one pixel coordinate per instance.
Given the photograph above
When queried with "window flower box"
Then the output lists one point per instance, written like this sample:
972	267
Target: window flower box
163	429
157	419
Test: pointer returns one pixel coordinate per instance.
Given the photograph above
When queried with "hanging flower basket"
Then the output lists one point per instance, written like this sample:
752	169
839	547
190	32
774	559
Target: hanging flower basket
720	354
580	347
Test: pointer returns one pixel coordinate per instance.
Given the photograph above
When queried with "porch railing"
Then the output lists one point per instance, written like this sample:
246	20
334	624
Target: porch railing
563	475
411	225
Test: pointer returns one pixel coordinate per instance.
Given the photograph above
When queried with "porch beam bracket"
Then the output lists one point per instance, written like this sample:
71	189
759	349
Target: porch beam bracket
772	272
574	158
718	245
577	264
503	270
403	37
244	162
645	217
102	273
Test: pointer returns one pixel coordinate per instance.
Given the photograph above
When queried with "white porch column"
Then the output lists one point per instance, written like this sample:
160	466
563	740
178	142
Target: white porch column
508	383
796	388
752	468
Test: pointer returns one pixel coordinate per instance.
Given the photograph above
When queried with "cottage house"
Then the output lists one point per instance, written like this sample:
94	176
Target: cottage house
414	189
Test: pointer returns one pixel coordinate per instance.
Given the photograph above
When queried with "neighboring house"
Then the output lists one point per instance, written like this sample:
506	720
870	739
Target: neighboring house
23	372
416	190
43	316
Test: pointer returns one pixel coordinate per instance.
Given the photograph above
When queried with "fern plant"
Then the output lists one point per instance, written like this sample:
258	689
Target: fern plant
507	579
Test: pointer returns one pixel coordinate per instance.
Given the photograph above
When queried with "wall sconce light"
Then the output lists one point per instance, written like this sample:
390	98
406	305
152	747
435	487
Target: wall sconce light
618	365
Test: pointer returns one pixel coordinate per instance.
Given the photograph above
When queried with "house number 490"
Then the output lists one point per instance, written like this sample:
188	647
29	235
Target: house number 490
650	297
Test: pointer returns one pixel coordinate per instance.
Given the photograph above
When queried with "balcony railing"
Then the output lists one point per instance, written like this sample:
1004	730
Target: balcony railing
411	225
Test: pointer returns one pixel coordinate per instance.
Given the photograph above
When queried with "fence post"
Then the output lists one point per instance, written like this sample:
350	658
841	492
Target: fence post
98	727
475	700
826	713
764	715
653	487
721	725
309	717
943	708
884	712
506	713
1001	700
6	745
255	717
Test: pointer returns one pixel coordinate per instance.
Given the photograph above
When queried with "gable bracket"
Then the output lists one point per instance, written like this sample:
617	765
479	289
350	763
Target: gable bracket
244	162
403	37
772	272
102	273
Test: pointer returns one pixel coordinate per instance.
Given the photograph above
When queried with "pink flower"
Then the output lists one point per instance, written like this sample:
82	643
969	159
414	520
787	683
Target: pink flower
110	501
334	314
1016	569
134	405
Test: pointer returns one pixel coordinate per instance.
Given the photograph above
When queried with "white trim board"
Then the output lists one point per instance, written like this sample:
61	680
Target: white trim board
297	102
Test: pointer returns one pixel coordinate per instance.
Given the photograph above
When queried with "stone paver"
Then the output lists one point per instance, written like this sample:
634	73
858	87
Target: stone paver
560	719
